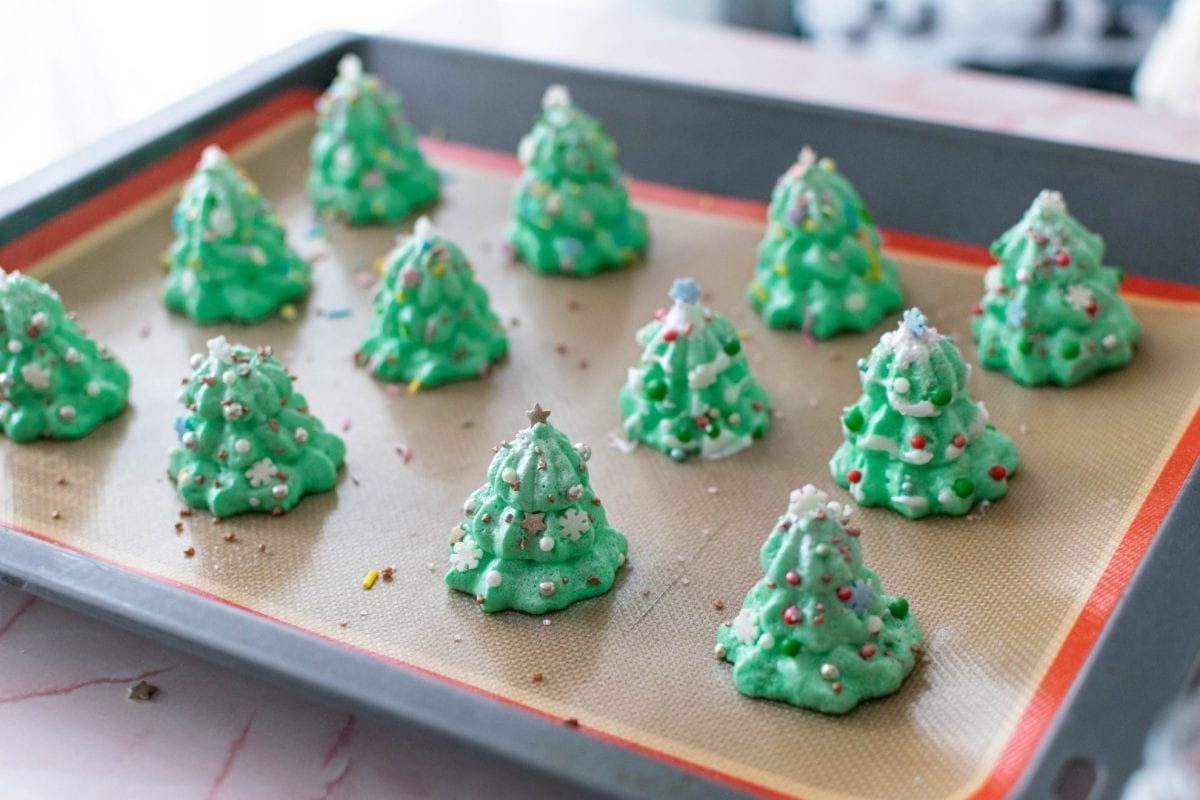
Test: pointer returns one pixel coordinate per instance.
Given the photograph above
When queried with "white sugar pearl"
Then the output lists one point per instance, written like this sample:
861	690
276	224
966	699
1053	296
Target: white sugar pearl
469	506
71	356
829	671
14	346
40	321
1024	275
508	475
67	413
228	376
300	435
547	588
242	446
900	386
279	491
546	543
92	389
188	439
575	492
492	578
874	624
1109	342
766	641
197	360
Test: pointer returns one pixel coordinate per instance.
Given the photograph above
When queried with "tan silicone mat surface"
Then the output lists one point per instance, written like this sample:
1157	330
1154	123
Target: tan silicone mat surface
995	595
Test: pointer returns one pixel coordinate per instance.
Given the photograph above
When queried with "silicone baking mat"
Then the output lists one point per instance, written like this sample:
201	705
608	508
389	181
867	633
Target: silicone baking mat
1011	600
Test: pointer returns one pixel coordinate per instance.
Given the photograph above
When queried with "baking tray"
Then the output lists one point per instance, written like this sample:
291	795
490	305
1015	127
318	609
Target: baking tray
705	161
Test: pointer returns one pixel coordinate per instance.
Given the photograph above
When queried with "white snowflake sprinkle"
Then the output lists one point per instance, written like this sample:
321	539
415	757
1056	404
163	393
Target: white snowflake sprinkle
261	472
36	375
1080	297
465	555
573	523
745	626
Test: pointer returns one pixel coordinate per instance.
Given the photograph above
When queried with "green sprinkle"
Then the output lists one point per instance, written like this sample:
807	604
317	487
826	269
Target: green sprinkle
963	487
940	396
899	608
854	420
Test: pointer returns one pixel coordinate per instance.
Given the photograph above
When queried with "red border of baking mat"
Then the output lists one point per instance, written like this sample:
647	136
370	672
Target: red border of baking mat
1081	638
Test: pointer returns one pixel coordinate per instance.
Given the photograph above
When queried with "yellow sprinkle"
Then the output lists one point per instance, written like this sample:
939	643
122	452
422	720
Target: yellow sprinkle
414	386
164	258
744	334
289	313
781	269
369	581
760	293
400	296
810	224
875	273
380	266
828	164
252	190
438	269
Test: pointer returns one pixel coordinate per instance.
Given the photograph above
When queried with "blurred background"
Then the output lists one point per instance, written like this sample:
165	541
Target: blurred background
72	71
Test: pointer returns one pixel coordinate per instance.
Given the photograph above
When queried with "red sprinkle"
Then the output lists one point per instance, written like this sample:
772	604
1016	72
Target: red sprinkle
670	335
854	476
837	688
917	442
793	577
844	593
701	421
1063	258
756	405
977	310
866	651
791	615
998	472
959	440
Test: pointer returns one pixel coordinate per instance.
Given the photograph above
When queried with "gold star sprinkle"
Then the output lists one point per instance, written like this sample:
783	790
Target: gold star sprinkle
537	414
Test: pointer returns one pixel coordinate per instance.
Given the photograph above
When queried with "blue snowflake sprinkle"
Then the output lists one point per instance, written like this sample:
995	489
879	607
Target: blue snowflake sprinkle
861	596
685	290
1014	314
915	321
180	427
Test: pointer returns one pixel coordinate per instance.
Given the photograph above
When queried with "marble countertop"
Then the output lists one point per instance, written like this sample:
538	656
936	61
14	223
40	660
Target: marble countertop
67	727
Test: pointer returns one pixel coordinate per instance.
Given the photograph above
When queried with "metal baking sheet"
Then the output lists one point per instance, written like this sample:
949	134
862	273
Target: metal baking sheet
1013	602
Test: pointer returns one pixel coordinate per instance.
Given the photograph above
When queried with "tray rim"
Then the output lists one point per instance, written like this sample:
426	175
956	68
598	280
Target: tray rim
29	560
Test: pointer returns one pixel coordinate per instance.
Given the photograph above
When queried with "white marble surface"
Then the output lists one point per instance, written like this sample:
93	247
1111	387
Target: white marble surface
66	727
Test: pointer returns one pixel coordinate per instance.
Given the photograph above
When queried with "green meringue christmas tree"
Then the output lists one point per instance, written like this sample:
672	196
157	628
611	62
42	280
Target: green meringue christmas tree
820	267
365	163
571	211
230	261
915	441
817	631
432	319
248	441
55	381
693	391
1050	311
535	537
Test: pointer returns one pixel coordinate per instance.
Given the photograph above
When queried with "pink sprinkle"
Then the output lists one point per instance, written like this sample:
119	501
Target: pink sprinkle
404	453
346	424
806	330
429	330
